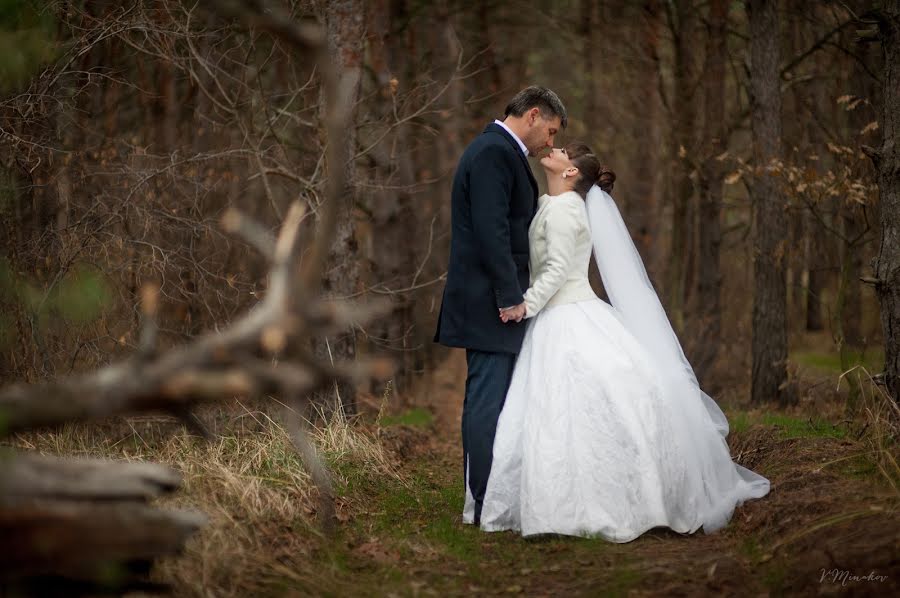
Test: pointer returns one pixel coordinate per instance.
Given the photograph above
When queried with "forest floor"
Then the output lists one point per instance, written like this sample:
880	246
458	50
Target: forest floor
832	512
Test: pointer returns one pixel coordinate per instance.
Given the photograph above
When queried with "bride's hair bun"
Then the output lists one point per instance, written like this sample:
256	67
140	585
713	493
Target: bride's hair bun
605	179
592	172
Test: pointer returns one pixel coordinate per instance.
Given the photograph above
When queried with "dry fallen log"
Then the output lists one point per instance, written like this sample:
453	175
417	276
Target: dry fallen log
36	477
85	522
110	545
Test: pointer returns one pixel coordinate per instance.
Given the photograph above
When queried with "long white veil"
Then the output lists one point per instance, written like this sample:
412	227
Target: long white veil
630	292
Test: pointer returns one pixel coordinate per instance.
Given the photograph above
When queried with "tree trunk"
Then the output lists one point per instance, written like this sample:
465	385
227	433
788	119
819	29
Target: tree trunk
345	27
817	276
851	261
817	242
794	129
707	312
769	345
683	23
887	167
846	283
391	253
643	210
492	77
856	222
588	31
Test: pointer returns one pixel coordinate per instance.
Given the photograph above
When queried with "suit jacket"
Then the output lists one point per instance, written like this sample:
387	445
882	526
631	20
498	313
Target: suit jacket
493	200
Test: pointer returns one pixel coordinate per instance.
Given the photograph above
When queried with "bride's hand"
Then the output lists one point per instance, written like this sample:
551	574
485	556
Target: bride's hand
516	314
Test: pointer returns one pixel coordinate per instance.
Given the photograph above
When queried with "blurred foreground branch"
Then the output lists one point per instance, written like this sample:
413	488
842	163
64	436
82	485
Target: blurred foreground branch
84	525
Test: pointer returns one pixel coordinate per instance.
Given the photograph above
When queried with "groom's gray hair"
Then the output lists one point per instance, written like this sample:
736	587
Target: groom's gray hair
544	99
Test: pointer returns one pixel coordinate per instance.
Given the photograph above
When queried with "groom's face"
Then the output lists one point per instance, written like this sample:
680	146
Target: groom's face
541	131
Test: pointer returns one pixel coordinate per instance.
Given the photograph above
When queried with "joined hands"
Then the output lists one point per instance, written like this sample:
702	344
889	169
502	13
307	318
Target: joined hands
514	314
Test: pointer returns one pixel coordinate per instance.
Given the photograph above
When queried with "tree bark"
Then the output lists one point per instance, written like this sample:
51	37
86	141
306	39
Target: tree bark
795	260
769	344
817	276
817	247
683	24
887	167
588	32
487	12
856	221
345	22
851	269
390	248
707	314
644	212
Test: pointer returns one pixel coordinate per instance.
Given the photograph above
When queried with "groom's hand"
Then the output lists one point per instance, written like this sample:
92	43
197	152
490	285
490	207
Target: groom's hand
515	313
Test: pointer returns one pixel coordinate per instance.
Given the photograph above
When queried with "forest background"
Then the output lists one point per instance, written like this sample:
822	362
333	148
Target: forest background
741	135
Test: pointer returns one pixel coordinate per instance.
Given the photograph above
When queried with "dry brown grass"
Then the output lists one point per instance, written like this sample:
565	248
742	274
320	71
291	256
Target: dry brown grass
261	537
881	426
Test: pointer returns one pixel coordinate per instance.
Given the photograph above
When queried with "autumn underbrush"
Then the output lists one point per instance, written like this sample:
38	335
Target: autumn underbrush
398	491
262	534
869	430
835	499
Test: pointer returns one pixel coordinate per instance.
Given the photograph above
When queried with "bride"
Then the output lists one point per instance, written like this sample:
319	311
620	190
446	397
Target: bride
605	431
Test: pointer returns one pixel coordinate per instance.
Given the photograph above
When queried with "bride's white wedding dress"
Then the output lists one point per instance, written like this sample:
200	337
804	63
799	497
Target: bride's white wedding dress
604	431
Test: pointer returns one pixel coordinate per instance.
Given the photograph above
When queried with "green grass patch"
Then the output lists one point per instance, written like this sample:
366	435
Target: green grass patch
859	467
460	541
794	427
751	549
774	576
428	504
356	479
414	417
739	422
829	362
788	426
621	581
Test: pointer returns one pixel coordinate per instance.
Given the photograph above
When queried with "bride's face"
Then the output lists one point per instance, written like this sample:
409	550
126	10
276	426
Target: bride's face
556	162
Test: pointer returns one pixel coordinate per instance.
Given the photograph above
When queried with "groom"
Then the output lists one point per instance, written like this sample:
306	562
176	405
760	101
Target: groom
493	201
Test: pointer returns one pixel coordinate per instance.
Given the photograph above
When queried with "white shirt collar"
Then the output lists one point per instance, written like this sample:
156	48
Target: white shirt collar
514	136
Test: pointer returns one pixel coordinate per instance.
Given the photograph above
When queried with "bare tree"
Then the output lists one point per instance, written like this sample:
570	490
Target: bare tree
642	209
769	345
887	166
706	313
345	27
683	23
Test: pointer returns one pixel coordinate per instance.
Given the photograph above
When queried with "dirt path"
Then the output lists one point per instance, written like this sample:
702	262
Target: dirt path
830	515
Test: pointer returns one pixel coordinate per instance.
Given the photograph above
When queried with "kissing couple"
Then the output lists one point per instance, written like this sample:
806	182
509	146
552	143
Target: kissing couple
581	417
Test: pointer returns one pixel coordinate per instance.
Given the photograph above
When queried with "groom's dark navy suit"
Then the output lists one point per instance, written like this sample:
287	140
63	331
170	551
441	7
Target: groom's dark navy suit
493	201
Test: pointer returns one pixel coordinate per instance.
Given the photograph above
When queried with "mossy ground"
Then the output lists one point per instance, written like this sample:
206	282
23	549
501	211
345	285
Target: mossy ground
829	508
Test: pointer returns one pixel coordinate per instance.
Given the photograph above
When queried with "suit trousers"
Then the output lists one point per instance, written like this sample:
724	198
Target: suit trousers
489	375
